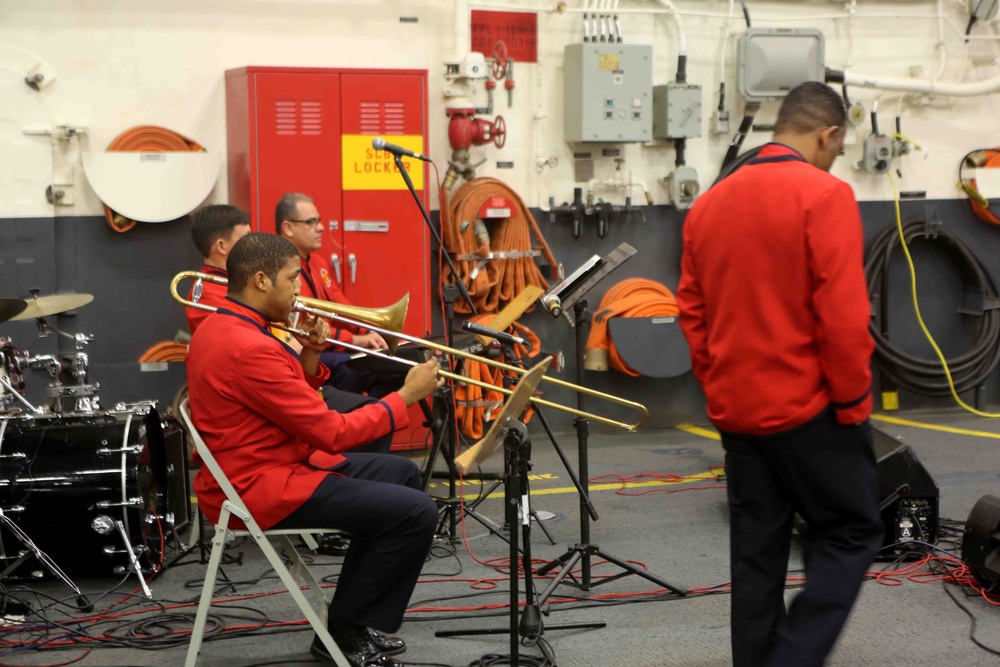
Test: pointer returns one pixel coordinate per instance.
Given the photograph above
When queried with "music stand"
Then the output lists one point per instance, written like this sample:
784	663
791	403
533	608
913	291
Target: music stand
513	435
571	293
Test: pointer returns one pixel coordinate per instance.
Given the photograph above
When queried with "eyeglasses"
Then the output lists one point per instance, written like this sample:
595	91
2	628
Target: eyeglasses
311	221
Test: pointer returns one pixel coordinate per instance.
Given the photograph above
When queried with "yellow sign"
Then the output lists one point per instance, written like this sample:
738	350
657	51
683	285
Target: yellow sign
607	62
365	168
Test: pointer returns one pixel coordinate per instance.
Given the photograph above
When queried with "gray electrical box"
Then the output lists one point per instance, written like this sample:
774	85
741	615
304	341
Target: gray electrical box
772	61
608	93
676	111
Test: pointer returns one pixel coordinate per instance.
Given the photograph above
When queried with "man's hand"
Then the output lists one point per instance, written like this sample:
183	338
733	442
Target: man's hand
421	382
370	341
319	331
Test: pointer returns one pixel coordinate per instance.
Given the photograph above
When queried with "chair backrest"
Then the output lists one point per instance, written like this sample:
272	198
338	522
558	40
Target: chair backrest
208	460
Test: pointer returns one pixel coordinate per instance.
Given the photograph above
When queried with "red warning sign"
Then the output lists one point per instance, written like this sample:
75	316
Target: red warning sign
518	30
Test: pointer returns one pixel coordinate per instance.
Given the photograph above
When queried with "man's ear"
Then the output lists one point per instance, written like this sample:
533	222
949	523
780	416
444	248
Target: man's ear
286	229
220	246
261	281
826	136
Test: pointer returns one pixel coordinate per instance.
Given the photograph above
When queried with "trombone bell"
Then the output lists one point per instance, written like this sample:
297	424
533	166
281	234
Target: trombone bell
390	317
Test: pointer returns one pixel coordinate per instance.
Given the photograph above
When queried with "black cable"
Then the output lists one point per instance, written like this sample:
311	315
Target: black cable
746	12
847	100
679	146
741	134
926	376
972	629
722	96
682	68
737	163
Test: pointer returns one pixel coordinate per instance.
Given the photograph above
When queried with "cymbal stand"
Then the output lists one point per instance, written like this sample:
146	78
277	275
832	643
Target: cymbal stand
584	550
32	550
84	393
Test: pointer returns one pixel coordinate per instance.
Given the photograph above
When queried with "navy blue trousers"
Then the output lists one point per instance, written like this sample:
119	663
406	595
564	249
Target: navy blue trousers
392	524
345	401
827	473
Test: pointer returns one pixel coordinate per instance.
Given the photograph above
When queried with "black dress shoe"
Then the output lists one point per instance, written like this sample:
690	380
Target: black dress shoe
358	649
333	545
386	643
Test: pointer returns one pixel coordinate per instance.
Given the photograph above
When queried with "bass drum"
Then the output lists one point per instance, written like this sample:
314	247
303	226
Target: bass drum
69	480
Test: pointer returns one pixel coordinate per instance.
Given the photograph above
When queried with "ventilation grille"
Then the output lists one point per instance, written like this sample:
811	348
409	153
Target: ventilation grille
294	118
382	117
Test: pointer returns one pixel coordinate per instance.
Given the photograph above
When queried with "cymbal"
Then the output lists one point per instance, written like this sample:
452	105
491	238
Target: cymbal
11	307
53	304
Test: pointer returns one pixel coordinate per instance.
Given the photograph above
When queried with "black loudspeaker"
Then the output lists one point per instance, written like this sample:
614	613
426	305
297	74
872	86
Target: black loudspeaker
981	542
908	497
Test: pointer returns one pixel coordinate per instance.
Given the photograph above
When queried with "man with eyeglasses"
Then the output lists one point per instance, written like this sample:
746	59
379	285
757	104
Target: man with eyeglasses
298	220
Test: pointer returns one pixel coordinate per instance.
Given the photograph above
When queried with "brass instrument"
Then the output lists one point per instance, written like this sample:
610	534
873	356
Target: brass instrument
389	321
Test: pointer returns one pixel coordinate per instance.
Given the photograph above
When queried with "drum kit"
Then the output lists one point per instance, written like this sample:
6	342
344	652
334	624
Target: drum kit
83	490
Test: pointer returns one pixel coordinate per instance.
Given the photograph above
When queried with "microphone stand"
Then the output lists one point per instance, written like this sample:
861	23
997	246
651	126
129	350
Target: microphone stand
446	417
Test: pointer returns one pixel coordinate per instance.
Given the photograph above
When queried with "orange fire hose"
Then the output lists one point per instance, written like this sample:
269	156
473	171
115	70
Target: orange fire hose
473	406
497	281
145	139
166	350
990	159
633	297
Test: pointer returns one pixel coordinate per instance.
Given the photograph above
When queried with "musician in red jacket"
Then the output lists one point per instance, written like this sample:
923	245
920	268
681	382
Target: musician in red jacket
774	306
297	219
289	457
215	230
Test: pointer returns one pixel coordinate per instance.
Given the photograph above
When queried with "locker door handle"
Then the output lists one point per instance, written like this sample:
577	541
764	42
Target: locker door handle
335	263
352	261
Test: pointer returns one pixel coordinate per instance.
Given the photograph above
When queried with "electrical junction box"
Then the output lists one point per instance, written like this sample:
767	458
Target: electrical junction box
772	61
676	111
608	93
878	154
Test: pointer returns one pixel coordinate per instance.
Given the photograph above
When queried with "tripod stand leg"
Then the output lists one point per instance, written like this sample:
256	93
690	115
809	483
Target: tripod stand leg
534	515
569	561
625	565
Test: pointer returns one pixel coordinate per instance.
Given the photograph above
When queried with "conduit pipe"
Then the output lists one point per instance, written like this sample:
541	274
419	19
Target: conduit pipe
928	87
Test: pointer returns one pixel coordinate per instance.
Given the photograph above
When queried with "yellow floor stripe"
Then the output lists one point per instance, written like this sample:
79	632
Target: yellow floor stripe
614	486
936	427
697	430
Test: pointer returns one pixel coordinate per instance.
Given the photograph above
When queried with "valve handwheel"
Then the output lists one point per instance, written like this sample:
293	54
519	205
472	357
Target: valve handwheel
499	135
500	59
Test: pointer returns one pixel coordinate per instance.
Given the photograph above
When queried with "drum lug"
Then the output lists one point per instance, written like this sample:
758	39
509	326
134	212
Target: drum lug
131	502
107	451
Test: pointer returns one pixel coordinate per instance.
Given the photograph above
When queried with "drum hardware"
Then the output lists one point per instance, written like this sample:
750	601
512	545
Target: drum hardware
106	451
41	557
15	455
104	525
131	502
53	304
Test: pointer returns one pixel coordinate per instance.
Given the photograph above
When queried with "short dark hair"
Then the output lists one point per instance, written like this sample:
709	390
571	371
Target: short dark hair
287	205
257	252
810	106
212	223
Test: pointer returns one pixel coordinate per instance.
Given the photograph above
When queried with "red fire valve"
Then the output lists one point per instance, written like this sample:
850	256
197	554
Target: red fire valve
465	130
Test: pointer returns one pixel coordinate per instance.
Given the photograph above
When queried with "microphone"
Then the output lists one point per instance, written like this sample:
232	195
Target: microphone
379	144
501	336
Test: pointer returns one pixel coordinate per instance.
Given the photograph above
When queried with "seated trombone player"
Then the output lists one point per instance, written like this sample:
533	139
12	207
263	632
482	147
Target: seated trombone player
290	458
215	230
298	220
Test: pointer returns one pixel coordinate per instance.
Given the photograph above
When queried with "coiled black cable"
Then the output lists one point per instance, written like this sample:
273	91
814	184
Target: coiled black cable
927	376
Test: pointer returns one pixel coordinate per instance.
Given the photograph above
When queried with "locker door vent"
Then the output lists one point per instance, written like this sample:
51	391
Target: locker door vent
382	118
312	118
285	118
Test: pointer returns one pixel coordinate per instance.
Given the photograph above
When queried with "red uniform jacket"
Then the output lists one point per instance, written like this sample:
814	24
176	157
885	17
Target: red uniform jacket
772	297
262	418
212	294
318	283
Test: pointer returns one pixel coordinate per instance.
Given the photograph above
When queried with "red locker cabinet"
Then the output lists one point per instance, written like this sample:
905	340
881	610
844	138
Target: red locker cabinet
310	131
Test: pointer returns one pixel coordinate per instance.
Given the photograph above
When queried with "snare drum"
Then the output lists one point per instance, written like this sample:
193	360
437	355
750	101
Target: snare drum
10	373
67	480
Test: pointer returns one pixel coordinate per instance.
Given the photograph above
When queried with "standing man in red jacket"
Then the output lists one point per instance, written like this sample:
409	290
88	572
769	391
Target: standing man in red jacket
293	461
774	306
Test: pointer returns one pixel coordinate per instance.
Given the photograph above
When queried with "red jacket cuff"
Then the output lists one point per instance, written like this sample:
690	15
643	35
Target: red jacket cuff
318	380
855	412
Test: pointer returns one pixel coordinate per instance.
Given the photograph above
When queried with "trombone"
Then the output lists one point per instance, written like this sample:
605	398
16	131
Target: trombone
391	320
